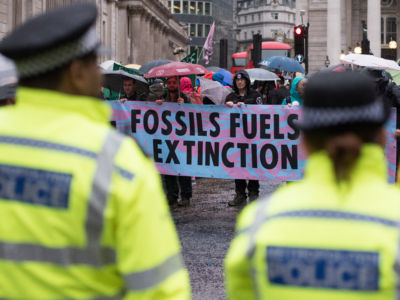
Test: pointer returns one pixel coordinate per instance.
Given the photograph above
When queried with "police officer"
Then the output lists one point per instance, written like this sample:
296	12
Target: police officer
82	211
335	234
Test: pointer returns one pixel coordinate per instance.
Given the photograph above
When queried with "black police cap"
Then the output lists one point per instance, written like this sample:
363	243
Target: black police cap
52	39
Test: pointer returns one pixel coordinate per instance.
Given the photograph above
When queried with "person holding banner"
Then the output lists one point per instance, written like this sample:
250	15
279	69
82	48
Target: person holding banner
175	183
335	234
130	92
82	209
243	94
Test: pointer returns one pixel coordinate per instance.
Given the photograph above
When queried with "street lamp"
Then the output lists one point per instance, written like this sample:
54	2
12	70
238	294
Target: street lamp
393	44
327	62
357	49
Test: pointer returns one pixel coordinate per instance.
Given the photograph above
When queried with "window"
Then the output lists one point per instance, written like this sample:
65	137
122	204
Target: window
200	30
245	35
207	8
245	19
391	32
206	29
259	16
199	8
274	16
192	7
169	5
185	7
192	29
388	29
177	7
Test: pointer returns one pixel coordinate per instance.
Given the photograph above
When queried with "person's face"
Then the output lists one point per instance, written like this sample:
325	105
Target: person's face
172	84
240	83
300	86
129	87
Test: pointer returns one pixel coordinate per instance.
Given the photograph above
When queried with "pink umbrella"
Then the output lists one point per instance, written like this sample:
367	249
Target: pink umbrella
176	69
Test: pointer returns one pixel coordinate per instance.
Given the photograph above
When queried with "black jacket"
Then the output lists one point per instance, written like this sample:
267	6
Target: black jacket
252	97
276	97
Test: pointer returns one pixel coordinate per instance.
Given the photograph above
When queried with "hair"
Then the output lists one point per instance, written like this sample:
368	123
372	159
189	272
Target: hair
51	80
343	142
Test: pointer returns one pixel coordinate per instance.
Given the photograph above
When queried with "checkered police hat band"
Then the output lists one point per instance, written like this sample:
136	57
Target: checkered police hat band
314	118
57	56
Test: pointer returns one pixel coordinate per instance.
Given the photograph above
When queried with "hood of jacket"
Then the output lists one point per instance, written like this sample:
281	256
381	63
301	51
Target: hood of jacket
294	93
243	74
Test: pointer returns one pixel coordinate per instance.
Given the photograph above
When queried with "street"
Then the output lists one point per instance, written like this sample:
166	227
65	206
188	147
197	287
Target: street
205	231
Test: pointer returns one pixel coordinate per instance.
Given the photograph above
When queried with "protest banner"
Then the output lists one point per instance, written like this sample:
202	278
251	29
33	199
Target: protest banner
259	142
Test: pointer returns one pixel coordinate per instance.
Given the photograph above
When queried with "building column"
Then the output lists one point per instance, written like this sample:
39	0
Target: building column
374	26
334	31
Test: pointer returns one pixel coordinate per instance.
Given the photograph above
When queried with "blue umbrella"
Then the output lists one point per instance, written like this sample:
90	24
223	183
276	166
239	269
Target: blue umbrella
283	63
227	76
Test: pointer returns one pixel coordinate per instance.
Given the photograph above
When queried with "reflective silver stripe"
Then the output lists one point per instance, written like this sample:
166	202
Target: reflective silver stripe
152	277
93	254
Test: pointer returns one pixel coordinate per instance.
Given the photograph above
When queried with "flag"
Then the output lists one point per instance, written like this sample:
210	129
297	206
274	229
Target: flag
208	45
191	58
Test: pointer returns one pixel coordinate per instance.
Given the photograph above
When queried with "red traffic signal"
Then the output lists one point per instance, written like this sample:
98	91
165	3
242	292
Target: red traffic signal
298	30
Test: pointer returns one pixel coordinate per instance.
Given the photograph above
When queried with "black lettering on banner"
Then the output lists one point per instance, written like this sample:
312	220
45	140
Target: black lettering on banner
134	120
277	134
234	124
146	122
178	116
291	122
200	153
212	154
253	125
157	150
264	126
172	145
192	125
213	117
200	130
287	156
224	155
254	156
263	156
189	145
243	147
164	115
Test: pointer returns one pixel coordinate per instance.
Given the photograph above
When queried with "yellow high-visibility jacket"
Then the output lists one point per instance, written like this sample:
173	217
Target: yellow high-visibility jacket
82	212
317	239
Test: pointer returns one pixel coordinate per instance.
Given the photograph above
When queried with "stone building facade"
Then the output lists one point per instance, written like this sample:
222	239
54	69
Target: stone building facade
136	31
273	19
338	26
198	17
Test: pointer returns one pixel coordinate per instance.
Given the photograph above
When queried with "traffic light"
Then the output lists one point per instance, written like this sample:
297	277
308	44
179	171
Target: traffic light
365	46
257	43
300	37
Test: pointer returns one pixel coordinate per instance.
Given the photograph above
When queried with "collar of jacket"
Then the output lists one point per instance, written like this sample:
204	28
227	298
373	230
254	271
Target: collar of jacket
93	108
370	165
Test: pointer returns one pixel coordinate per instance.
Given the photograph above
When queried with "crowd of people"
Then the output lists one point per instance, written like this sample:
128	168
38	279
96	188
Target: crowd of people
84	215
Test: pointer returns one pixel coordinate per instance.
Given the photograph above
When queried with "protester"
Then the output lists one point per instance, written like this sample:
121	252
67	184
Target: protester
277	96
8	81
130	91
82	210
175	183
186	87
242	94
296	92
156	91
333	235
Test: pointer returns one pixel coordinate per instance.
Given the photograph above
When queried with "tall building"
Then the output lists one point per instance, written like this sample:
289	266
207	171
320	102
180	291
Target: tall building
198	16
135	30
339	26
273	19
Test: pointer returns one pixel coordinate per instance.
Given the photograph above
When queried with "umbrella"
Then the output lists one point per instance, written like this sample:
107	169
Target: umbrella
370	61
214	90
113	80
283	63
261	74
227	76
176	69
154	63
213	69
108	64
133	66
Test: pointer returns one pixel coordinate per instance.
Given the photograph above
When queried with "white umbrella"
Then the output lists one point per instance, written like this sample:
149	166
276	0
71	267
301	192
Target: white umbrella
370	61
214	90
108	65
261	75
